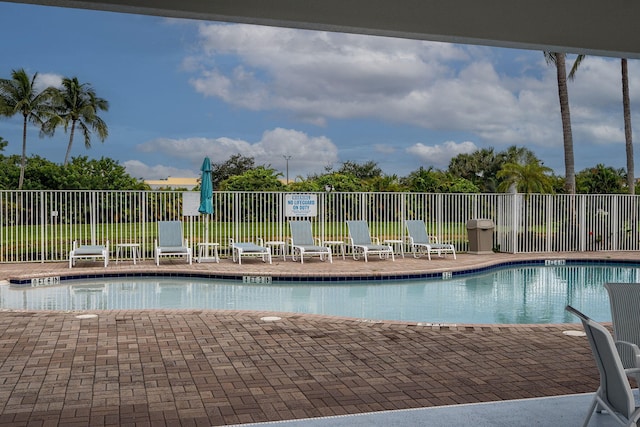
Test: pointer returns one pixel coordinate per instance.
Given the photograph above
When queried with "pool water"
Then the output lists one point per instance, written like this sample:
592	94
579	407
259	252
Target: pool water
520	295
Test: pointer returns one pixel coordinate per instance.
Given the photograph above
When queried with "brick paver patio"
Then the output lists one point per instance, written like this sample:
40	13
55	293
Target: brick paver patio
190	368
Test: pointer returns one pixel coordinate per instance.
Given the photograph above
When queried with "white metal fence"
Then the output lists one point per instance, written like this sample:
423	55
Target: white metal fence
40	226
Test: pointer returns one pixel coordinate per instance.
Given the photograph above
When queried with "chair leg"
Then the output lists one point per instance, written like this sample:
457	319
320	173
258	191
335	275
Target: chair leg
592	408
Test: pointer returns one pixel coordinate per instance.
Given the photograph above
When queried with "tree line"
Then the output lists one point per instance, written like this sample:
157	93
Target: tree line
515	169
483	171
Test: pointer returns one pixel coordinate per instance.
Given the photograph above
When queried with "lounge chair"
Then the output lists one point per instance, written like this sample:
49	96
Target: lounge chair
614	394
303	243
238	250
420	242
88	251
363	243
170	241
624	299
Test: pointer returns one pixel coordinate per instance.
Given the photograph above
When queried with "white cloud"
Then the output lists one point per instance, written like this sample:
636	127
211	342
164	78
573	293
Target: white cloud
439	155
319	76
307	154
499	97
46	80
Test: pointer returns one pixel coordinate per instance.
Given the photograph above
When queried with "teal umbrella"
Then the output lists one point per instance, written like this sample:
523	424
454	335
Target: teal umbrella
206	188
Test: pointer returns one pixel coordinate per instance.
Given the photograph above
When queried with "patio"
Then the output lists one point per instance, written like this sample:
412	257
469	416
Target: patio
152	367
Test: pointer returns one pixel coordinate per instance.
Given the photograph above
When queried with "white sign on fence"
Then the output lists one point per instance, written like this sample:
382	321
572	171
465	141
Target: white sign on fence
190	203
301	205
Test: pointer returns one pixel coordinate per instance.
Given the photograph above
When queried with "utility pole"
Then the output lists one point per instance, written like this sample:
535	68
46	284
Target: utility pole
287	159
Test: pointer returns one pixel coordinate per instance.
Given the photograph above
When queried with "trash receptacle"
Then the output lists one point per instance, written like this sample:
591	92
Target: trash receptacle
480	232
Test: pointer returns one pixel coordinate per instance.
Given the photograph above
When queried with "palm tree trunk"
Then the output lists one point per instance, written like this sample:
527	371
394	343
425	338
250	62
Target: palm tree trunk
563	94
23	161
626	106
73	129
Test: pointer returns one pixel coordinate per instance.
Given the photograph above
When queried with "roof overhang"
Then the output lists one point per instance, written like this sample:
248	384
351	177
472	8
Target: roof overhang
593	27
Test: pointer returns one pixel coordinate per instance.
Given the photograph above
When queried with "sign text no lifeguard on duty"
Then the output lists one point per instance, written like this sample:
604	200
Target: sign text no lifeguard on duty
301	205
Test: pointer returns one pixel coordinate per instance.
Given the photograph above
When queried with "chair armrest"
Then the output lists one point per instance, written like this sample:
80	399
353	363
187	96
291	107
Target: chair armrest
260	241
318	241
375	240
629	354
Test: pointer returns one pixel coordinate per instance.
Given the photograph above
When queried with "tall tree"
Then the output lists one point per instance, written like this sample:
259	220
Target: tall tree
527	178
367	170
77	105
479	167
626	107
237	164
261	178
559	60
601	179
19	95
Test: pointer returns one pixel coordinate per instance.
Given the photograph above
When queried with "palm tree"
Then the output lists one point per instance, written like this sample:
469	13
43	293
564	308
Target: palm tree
626	107
527	178
18	95
558	59
77	105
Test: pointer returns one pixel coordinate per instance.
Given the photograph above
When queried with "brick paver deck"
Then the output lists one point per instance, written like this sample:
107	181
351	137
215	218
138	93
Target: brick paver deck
190	368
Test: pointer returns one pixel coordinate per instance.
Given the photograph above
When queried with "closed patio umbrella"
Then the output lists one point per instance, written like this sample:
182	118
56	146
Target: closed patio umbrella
206	188
206	196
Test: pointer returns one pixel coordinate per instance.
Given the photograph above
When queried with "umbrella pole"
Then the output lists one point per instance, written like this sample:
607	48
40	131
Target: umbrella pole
206	229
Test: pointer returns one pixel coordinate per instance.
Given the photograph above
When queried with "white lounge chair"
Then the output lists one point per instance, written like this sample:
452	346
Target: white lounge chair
240	249
363	243
614	394
302	242
420	242
170	241
88	251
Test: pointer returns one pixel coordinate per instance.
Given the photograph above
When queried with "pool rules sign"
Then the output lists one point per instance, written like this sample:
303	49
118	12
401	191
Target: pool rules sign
301	205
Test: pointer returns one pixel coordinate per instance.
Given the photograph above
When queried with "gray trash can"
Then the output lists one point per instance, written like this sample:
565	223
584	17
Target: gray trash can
480	232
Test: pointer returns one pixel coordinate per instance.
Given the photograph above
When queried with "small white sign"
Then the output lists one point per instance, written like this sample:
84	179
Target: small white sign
190	203
261	280
45	281
299	205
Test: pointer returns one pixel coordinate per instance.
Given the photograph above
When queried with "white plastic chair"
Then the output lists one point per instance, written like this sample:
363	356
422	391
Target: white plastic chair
88	251
363	243
240	249
420	242
614	394
303	243
170	241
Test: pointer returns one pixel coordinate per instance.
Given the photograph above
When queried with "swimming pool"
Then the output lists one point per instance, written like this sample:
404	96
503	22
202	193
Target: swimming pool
517	295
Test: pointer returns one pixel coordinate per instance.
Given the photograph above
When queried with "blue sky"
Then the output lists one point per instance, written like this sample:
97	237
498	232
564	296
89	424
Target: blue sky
182	89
